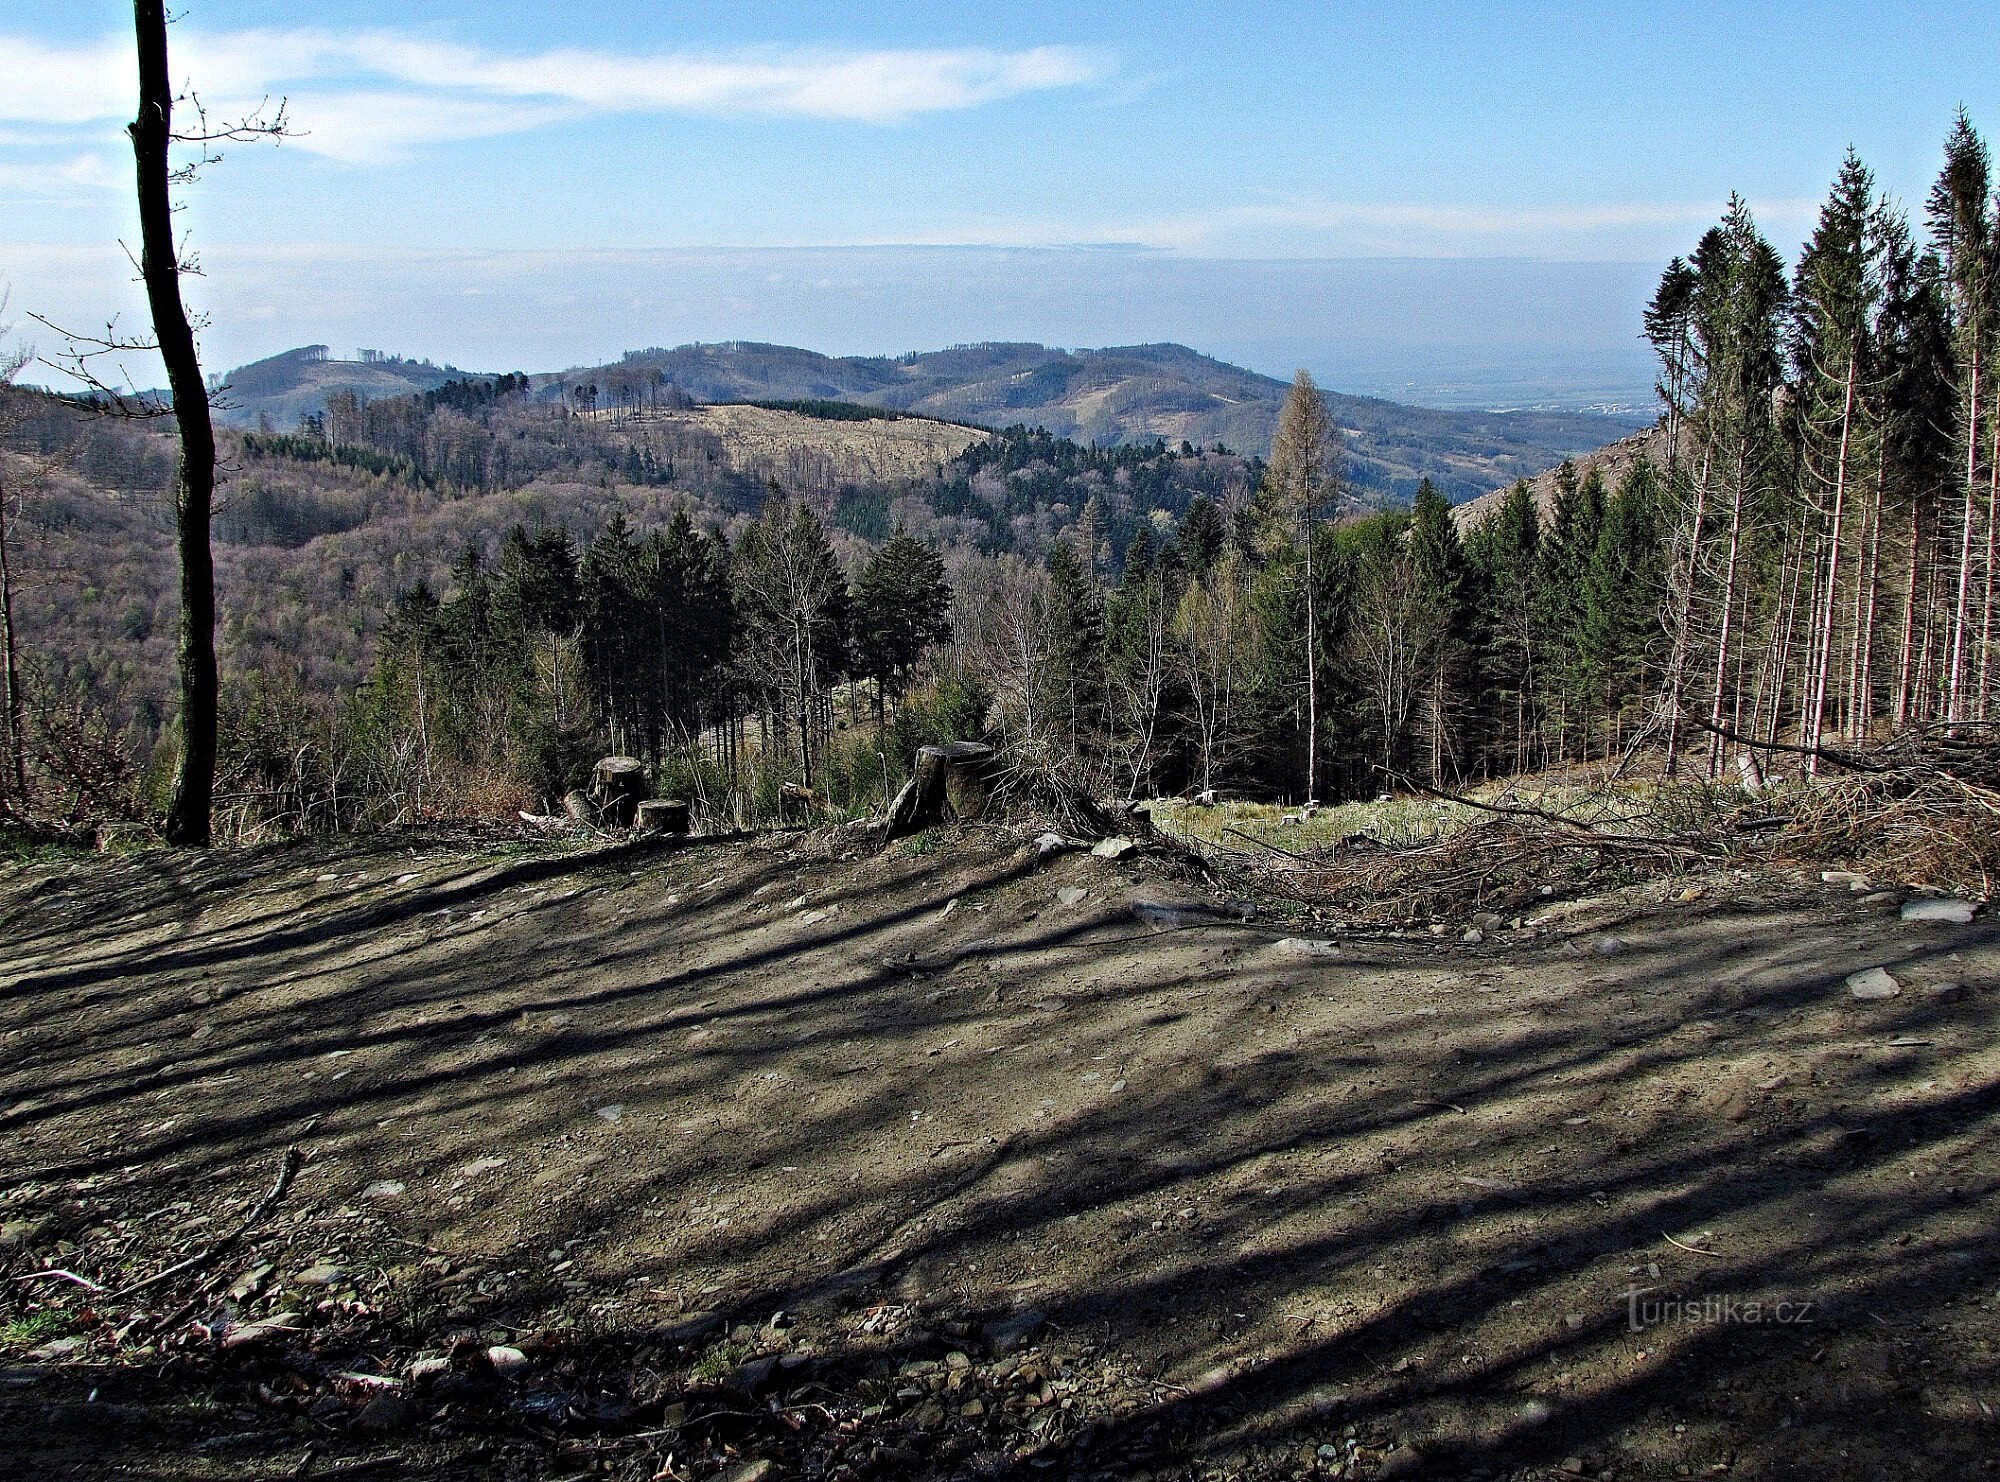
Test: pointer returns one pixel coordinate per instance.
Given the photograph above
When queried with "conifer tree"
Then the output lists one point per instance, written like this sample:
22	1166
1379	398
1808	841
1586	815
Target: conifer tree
1443	585
1503	550
1962	228
902	607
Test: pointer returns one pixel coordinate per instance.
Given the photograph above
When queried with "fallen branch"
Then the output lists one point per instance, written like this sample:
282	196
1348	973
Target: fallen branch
1262	843
1542	815
1845	759
287	1171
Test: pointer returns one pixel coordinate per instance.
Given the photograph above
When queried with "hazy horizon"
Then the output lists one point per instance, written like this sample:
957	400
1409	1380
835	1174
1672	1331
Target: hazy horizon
1462	206
1457	333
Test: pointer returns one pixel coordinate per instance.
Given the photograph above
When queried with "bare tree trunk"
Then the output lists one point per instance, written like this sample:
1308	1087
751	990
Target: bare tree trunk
1777	664
1312	662
187	821
1821	652
1867	602
1728	613
1683	617
17	758
1955	708
1985	695
1907	653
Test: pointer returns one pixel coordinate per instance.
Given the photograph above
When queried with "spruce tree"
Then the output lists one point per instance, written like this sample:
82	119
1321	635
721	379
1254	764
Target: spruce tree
902	608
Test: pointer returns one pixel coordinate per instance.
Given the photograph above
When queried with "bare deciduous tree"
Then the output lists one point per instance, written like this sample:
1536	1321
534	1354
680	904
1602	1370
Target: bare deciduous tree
1304	478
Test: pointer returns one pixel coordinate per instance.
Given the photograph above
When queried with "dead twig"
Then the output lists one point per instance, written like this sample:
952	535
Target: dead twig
1693	1250
287	1171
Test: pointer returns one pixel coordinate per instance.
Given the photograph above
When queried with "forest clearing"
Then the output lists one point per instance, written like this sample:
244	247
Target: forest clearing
776	1158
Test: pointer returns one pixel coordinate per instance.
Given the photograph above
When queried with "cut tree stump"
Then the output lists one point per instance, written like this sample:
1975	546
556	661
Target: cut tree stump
668	815
952	780
577	805
618	787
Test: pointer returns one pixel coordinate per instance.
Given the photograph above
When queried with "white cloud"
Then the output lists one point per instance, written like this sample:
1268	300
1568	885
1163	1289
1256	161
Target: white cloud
369	95
54	85
67	179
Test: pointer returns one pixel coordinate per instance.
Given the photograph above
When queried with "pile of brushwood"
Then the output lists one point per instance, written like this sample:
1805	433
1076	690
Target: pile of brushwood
1922	810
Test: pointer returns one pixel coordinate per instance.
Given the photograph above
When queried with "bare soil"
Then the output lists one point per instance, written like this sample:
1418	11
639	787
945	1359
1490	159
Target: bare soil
775	1160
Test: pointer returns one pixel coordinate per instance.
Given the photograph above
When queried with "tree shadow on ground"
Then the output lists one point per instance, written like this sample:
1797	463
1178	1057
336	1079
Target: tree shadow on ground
1039	1189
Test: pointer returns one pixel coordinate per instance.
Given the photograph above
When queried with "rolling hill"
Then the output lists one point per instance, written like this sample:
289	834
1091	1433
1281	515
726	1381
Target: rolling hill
1127	394
283	388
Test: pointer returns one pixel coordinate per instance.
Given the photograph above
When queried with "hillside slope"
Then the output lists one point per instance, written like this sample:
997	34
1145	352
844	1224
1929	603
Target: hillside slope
1612	462
1061	1171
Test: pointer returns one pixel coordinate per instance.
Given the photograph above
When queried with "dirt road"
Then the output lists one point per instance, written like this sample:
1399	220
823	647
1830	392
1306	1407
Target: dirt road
950	1163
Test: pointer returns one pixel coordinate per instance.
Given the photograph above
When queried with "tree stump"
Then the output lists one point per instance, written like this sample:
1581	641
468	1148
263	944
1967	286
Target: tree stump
617	788
668	815
578	806
954	780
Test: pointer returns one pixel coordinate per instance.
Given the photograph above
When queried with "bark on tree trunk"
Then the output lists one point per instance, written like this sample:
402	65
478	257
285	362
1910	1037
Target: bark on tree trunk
17	761
187	821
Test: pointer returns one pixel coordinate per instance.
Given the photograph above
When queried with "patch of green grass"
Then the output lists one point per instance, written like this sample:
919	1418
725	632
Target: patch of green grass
719	1362
26	1332
1398	823
919	845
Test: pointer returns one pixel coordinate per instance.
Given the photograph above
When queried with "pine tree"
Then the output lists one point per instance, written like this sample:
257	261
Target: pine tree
1564	556
694	620
1729	476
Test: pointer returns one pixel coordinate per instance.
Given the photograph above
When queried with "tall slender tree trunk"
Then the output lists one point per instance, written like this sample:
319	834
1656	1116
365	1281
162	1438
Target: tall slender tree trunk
1867	603
1822	645
10	656
1312	661
1683	619
1961	620
187	821
1984	699
1777	665
1907	651
1728	614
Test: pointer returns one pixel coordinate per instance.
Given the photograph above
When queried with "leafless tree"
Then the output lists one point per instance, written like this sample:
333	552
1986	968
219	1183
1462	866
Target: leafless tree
1304	478
162	263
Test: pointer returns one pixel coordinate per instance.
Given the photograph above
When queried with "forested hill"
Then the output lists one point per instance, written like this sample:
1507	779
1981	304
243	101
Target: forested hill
1130	394
281	389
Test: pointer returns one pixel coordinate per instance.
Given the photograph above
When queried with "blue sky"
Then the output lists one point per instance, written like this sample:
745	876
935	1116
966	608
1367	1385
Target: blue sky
511	184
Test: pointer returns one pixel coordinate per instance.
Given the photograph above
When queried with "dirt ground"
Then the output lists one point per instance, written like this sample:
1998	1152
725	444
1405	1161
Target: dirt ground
775	1159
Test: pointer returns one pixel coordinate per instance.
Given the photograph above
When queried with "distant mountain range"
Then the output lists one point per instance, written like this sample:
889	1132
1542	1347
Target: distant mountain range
1131	393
